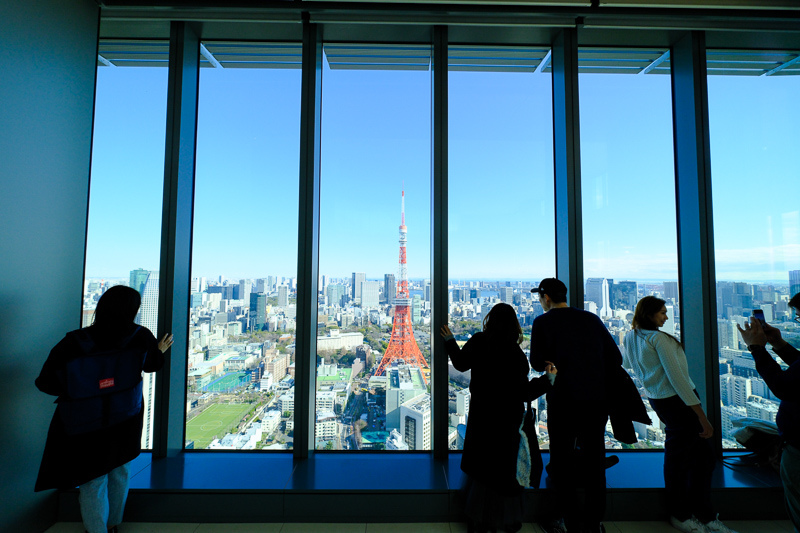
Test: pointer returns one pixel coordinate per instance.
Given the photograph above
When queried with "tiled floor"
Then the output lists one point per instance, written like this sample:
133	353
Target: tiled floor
778	526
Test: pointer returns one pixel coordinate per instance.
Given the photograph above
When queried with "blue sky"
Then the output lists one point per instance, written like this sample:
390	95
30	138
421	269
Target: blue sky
376	141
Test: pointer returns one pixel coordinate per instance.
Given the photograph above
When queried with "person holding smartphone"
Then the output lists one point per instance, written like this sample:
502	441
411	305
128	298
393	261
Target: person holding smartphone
658	360
785	384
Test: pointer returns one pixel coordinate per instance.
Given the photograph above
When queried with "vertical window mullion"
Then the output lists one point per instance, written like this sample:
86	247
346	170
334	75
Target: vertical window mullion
696	267
566	148
176	236
439	246
308	242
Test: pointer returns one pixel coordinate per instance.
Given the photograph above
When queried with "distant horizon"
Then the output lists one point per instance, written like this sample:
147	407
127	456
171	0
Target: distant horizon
214	279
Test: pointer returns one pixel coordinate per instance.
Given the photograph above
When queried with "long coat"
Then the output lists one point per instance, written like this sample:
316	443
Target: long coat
499	388
72	460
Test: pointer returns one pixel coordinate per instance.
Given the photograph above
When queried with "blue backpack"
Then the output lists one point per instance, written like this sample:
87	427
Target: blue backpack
104	387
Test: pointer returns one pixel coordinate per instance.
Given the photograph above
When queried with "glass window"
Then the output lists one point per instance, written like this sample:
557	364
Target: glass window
500	192
240	367
630	246
754	130
373	332
123	239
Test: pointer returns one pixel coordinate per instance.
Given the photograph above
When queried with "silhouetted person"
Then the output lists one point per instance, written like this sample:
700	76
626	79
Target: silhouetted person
578	343
96	431
785	384
499	388
658	360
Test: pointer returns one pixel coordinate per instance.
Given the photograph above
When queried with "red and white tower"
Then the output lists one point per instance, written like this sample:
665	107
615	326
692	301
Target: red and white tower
402	345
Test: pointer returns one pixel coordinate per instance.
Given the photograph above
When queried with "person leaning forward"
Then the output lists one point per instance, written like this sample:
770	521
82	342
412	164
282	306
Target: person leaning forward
578	343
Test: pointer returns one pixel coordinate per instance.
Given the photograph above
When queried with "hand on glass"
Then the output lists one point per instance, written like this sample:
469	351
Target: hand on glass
446	333
165	342
550	368
753	333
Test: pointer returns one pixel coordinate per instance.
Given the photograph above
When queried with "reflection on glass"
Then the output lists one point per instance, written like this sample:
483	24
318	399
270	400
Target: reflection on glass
500	188
373	332
240	363
124	231
628	193
754	130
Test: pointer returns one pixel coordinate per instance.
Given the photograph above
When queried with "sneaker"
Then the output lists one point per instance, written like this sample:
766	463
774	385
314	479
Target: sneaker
553	526
717	526
692	525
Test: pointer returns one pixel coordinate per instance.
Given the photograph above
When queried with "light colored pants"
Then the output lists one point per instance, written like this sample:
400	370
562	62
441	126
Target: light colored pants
790	475
103	499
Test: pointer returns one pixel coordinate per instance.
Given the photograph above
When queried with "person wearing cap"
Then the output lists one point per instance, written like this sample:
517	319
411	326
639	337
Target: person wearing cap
785	384
578	343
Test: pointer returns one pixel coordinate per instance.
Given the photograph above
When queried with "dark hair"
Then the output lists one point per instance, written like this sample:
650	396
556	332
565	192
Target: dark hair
643	316
795	301
645	309
502	324
116	310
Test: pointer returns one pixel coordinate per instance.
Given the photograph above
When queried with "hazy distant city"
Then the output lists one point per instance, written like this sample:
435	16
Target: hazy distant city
241	357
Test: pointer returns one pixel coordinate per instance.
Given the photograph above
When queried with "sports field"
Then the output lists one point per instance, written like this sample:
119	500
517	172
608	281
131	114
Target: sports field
228	382
215	421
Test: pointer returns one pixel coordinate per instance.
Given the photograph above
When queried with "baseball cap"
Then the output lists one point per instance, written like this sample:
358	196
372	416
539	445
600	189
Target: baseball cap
551	287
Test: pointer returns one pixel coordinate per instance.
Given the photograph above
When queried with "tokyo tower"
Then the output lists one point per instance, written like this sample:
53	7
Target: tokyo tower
402	346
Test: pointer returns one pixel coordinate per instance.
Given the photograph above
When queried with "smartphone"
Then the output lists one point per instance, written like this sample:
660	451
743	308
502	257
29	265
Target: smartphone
758	314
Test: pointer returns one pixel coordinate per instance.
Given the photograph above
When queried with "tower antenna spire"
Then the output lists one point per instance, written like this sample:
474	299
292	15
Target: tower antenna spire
402	345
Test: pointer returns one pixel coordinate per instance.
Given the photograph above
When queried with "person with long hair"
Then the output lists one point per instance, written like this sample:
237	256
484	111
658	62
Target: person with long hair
499	388
96	430
658	360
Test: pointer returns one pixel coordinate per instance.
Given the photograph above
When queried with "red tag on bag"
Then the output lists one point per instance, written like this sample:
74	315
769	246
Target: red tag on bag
106	383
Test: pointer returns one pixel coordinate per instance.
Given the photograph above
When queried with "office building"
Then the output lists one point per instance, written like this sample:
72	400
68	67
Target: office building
415	422
597	292
358	279
370	294
404	382
258	311
283	296
389	288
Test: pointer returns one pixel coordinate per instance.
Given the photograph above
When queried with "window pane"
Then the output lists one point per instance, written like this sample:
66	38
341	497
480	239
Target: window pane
244	252
754	129
123	239
628	196
500	192
373	344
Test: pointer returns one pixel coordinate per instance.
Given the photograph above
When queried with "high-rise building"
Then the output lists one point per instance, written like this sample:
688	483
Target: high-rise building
245	288
258	310
416	309
671	291
404	382
389	288
794	282
358	279
597	292
415	422
370	293
138	278
427	291
507	294
623	295
283	296
734	390
148	317
335	292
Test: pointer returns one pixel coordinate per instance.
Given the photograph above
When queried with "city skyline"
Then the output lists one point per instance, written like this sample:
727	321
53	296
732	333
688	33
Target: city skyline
367	156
